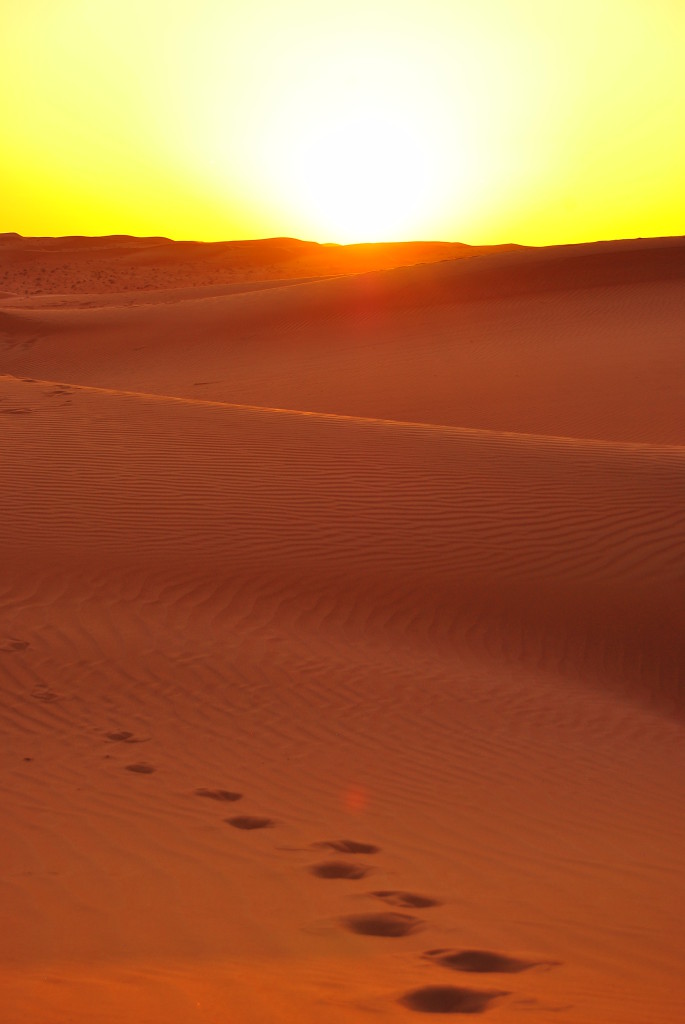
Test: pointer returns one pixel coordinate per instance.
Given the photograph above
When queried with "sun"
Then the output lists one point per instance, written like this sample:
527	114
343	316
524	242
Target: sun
361	173
354	151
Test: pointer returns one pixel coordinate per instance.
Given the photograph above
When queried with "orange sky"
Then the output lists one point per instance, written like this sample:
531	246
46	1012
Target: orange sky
533	121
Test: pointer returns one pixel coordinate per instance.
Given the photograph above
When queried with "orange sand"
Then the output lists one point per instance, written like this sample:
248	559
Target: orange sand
394	557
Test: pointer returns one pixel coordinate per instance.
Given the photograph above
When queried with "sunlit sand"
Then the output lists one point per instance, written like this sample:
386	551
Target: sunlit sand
342	632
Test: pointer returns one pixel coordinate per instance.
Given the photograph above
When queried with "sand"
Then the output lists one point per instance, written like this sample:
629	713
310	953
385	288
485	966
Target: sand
342	633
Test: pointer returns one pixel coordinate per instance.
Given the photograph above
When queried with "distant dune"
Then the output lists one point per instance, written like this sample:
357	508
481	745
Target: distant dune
114	263
342	648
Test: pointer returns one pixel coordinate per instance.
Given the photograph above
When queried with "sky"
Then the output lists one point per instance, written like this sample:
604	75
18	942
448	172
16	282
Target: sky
530	121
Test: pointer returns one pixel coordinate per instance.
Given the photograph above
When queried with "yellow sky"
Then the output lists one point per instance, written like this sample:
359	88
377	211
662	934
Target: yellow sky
535	121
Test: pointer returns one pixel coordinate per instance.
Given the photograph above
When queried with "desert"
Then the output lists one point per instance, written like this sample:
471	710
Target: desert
342	631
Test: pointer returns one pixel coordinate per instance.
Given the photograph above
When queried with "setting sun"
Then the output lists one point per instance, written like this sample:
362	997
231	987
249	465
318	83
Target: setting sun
355	159
364	174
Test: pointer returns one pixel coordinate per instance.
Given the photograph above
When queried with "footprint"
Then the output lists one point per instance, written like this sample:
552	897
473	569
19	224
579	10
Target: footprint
142	767
388	925
338	869
249	823
122	737
45	694
224	795
10	645
448	999
482	961
348	846
397	898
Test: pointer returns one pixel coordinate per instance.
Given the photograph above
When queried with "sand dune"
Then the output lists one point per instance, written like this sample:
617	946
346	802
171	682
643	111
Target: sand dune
349	683
73	265
504	342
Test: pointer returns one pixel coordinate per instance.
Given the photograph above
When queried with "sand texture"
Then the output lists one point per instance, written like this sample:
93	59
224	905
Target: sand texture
341	632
